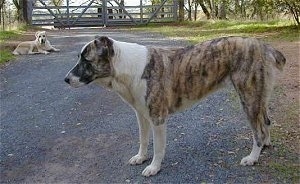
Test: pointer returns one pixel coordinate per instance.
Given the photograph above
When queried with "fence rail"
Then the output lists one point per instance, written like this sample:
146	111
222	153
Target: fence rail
102	13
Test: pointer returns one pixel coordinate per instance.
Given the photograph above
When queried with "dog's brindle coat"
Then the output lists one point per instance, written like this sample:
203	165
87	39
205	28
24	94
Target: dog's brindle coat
162	81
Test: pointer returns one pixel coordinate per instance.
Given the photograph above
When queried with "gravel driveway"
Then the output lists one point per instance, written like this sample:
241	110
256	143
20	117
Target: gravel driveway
52	133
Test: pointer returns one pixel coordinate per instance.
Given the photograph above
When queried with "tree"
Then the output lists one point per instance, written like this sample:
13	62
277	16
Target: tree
293	6
19	8
181	10
1	9
189	9
222	10
204	9
57	3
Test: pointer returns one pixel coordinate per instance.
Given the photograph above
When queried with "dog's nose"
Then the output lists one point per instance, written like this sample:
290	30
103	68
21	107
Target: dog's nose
67	80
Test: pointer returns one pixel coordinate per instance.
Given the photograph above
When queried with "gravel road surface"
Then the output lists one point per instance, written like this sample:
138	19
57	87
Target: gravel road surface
52	133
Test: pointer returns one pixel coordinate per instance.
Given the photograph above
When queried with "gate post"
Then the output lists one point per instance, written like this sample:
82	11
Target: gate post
27	8
141	12
175	9
104	12
68	14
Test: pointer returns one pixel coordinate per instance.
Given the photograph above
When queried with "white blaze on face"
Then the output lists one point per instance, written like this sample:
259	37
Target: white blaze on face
41	36
70	78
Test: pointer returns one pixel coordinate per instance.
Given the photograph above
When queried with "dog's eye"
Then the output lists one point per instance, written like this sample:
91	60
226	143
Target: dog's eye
43	35
39	36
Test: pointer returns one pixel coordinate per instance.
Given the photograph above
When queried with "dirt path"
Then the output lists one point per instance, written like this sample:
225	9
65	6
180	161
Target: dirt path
51	133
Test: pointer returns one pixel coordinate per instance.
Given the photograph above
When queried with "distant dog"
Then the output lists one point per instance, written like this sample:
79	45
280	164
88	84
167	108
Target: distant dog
40	44
157	82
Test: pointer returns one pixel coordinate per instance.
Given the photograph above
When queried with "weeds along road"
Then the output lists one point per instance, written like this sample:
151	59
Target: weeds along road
52	133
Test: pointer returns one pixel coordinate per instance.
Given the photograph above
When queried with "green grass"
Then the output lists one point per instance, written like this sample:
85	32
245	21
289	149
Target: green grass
5	54
6	35
286	172
204	30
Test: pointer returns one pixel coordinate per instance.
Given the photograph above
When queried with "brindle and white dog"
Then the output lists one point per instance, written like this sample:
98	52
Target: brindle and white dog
157	82
41	44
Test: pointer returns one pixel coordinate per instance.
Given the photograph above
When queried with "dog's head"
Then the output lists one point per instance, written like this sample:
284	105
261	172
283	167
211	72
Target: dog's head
41	37
94	62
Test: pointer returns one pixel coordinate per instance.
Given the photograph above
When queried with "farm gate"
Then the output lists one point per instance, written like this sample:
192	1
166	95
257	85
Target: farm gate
99	13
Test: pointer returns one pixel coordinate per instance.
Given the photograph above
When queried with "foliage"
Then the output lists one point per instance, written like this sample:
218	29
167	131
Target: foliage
245	9
292	6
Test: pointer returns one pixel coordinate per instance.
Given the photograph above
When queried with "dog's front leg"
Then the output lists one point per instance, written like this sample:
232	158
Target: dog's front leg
55	50
31	50
159	138
51	48
43	51
144	130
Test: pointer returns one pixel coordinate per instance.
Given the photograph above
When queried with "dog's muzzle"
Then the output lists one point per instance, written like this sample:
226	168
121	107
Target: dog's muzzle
73	80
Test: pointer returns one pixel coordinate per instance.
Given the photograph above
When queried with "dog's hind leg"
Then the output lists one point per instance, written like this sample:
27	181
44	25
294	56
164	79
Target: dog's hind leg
253	92
144	130
15	52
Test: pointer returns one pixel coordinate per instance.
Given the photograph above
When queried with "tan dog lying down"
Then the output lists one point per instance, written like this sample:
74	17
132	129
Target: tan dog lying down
41	44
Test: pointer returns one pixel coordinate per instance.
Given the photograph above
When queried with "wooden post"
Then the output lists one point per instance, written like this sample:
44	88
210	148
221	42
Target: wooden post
68	14
104	4
26	11
181	10
175	9
141	12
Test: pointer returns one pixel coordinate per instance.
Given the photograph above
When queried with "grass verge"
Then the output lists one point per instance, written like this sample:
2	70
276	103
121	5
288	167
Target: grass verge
195	32
5	54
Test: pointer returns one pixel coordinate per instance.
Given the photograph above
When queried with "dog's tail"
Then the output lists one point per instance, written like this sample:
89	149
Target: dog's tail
276	57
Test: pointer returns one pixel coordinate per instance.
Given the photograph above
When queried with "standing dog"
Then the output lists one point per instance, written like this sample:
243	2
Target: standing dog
41	44
157	82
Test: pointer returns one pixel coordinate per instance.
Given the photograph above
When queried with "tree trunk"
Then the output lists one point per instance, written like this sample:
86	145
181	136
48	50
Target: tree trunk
204	9
295	10
196	10
236	7
243	9
214	9
181	10
189	10
222	14
1	9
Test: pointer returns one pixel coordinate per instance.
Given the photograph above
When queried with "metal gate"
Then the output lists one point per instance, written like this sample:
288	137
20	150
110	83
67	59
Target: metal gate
100	13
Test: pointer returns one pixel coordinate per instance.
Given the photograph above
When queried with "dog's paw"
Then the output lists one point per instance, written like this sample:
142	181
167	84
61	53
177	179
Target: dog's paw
46	52
150	170
137	159
248	160
56	50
